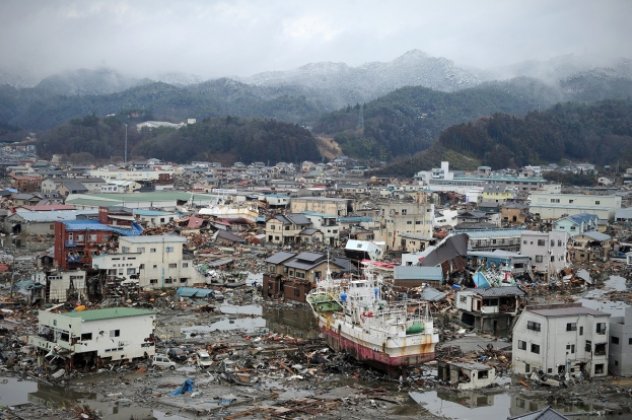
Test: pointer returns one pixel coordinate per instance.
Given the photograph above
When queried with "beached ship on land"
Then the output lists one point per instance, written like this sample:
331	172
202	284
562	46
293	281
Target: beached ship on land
387	334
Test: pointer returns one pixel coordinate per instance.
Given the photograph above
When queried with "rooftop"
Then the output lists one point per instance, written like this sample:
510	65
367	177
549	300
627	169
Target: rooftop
109	313
563	309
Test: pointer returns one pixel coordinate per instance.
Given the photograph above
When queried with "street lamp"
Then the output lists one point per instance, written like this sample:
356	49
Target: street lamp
125	145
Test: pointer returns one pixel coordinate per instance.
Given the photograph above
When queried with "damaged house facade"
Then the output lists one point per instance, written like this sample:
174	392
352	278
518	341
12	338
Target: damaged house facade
489	310
292	276
561	339
155	261
95	337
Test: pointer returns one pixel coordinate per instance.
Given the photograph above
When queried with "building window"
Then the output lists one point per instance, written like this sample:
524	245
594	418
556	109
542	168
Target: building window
173	265
141	267
541	242
115	333
140	250
168	281
570	348
614	340
124	249
131	271
538	258
597	203
599	367
86	336
571	326
153	281
588	346
169	249
630	341
581	330
185	265
535	348
152	250
522	345
533	326
601	328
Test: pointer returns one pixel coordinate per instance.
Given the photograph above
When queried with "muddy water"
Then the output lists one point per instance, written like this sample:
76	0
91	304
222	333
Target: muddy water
295	320
15	392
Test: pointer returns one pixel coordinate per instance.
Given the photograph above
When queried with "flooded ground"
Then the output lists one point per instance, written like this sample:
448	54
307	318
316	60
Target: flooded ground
265	369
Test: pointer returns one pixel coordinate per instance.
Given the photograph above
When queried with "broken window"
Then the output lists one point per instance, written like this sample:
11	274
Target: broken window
599	369
522	345
535	348
115	333
600	349
588	346
601	328
86	336
614	340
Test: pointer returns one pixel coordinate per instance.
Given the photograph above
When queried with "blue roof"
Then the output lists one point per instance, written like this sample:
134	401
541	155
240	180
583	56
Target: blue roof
354	219
82	225
583	218
194	292
142	212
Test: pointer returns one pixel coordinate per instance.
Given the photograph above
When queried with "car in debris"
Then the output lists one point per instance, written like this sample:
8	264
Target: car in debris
163	362
203	359
177	354
217	295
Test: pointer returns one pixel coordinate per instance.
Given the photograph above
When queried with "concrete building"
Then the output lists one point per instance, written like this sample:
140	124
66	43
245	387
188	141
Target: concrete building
398	218
561	339
546	250
155	261
620	360
96	337
489	310
554	206
327	205
41	222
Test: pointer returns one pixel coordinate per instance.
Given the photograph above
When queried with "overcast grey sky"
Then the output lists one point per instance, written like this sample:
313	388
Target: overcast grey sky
242	37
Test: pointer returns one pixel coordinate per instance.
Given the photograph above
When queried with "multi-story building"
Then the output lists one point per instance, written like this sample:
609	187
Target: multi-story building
620	361
96	337
490	310
285	229
398	218
561	339
547	250
155	261
326	205
327	225
554	206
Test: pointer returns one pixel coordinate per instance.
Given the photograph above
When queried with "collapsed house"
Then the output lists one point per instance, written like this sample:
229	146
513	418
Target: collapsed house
466	375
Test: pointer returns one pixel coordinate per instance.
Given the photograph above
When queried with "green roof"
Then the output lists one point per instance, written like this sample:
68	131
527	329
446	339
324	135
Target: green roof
109	313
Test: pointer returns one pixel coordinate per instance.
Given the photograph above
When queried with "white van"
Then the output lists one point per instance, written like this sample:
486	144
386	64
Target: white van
203	359
163	362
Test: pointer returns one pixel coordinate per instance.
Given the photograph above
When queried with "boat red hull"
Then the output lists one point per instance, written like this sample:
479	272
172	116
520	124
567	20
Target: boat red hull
378	359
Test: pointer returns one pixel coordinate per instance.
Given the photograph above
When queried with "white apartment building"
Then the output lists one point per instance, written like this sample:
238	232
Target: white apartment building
326	224
546	250
96	336
554	206
156	261
564	339
396	219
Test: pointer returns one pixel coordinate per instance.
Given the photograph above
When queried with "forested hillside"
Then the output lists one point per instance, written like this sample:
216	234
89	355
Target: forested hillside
600	133
225	140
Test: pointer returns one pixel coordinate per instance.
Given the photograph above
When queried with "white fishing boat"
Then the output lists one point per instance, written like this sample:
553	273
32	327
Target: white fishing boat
388	334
